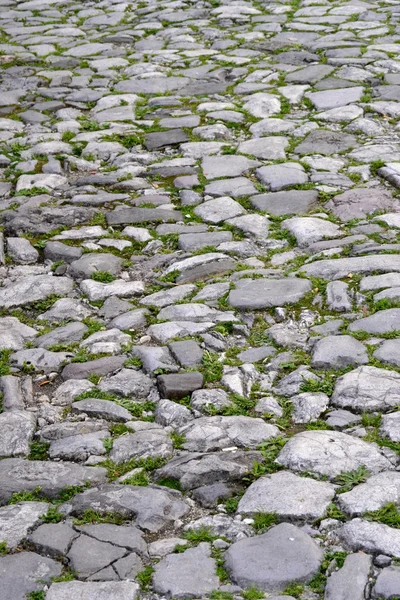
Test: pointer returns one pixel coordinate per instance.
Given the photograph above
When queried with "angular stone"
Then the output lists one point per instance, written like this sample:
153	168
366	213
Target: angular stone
337	351
72	332
216	433
79	447
34	288
330	453
127	216
383	321
26	572
16	520
264	293
154	442
194	470
376	492
367	389
270	148
279	177
187	353
335	98
153	508
227	166
309	406
21	251
337	296
123	536
202	399
87	555
16	433
368	536
177	386
287	495
179	576
127	382
387	583
237	187
96	290
40	359
18	475
390	427
201	267
307	230
162	139
221	209
103	409
168	296
275	559
91	263
350	582
52	539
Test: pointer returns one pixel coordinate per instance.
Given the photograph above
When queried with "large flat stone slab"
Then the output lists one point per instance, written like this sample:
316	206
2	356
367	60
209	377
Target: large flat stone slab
292	202
26	572
367	389
153	508
19	475
34	288
372	537
331	453
372	495
287	495
272	561
339	268
17	519
263	293
383	321
101	590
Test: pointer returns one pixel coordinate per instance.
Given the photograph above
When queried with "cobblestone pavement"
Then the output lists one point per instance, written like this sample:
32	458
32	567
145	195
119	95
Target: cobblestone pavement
199	300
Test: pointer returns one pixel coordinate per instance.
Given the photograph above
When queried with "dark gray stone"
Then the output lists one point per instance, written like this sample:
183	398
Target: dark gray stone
275	559
292	202
177	386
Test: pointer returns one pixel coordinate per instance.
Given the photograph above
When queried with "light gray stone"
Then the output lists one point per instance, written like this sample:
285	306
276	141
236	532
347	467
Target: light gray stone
341	267
26	572
16	432
330	453
19	475
367	389
387	583
103	590
309	406
307	230
215	433
337	351
383	321
350	582
372	537
372	495
264	293
287	495
16	520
